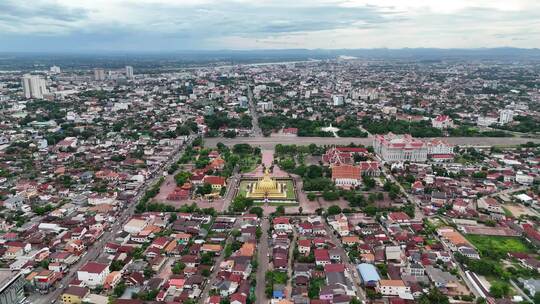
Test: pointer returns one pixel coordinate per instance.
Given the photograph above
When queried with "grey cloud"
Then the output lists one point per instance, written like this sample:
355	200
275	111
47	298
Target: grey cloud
12	9
229	18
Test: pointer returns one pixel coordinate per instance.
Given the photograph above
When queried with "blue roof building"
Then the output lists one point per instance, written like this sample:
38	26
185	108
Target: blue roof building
277	294
369	274
279	291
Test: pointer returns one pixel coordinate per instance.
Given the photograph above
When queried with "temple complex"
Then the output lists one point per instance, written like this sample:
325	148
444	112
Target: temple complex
267	188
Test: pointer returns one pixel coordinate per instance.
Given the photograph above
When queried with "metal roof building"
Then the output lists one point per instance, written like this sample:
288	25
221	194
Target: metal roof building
369	274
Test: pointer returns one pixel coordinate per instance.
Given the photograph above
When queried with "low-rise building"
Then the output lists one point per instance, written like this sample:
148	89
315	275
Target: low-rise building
392	287
93	274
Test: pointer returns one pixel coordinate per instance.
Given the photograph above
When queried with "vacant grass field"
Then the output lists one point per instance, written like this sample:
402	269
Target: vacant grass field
502	244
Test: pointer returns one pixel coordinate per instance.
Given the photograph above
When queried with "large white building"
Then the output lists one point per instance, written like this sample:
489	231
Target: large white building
135	225
442	122
506	116
99	74
93	274
55	69
338	100
439	150
129	72
399	148
365	94
33	86
393	287
486	121
266	105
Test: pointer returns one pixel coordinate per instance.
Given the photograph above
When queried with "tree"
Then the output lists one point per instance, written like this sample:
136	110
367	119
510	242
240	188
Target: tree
229	134
173	217
433	296
287	164
314	288
355	301
178	268
44	264
116	265
499	289
280	210
242	149
369	182
257	210
372	294
333	210
182	177
240	204
536	298
330	195
311	196
314	171
148	272
318	184
119	289
206	188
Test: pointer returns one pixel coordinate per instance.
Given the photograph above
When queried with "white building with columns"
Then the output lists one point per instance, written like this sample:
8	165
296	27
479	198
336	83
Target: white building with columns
400	148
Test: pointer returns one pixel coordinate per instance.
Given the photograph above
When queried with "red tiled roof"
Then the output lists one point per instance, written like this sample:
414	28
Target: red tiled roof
214	180
352	149
321	254
280	220
398	216
334	268
346	171
93	267
304	243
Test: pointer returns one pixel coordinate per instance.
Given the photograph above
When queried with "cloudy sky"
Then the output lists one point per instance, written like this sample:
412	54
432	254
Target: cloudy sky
155	25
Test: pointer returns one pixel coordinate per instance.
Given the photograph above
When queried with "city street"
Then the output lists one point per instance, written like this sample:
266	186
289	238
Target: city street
256	130
347	261
263	263
96	249
211	280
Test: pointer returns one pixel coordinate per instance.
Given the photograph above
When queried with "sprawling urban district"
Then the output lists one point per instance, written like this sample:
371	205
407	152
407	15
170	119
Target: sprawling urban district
334	181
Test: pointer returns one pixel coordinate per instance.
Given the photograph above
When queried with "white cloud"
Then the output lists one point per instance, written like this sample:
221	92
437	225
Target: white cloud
242	24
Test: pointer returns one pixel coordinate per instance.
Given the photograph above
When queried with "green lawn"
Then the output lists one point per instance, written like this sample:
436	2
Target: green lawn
502	244
290	190
248	164
242	189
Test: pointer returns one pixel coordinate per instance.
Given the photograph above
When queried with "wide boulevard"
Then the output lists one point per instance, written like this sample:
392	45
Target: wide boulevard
272	141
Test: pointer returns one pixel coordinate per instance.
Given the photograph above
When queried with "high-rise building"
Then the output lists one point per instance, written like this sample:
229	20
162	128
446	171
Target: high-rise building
506	116
33	86
99	74
129	72
338	100
11	287
55	69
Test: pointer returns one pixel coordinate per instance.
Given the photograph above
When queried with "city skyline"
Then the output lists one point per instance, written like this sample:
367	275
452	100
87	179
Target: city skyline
252	25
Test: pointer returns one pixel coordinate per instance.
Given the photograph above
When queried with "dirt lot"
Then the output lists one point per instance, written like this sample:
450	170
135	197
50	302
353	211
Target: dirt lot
518	210
217	204
167	187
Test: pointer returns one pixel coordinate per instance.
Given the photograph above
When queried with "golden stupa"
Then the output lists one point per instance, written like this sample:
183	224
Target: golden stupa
267	188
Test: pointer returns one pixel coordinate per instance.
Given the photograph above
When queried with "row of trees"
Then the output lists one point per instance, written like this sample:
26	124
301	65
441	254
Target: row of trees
220	119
